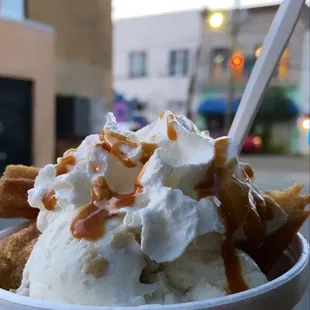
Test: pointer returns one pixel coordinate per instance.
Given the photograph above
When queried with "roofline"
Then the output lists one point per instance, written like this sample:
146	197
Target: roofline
29	24
158	14
254	8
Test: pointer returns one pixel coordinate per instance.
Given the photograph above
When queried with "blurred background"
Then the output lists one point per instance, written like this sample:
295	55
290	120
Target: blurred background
65	63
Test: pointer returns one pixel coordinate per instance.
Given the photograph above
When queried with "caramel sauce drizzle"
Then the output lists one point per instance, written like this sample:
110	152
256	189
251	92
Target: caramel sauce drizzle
237	211
171	132
61	166
161	114
69	152
148	150
112	142
242	207
275	243
49	201
90	221
232	264
248	171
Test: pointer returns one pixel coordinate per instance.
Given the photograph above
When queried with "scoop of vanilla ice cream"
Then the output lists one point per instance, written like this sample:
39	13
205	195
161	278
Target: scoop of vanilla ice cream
165	224
64	269
200	274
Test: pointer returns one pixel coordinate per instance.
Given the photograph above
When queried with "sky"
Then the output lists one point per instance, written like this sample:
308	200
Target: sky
12	8
133	8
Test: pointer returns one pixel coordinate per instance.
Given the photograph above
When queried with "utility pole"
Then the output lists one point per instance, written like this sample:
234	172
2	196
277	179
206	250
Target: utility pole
205	18
231	84
191	91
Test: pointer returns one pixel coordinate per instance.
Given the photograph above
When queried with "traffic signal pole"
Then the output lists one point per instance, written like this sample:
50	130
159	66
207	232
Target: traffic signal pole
191	91
192	84
231	84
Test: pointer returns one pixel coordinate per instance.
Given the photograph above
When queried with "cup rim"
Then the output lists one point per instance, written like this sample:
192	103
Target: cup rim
298	267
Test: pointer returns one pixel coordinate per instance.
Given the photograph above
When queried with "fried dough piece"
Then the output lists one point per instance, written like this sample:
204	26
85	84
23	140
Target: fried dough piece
253	212
14	185
290	199
274	244
20	171
14	253
13	202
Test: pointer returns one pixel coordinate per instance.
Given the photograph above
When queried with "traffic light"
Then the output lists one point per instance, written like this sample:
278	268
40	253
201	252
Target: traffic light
237	63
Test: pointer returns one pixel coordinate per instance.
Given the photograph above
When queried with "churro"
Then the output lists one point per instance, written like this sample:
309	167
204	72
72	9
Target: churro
15	249
14	185
20	171
14	253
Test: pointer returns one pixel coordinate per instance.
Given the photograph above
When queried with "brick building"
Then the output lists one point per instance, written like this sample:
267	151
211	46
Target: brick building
56	59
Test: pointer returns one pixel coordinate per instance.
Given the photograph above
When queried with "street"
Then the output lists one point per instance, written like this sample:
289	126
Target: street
271	173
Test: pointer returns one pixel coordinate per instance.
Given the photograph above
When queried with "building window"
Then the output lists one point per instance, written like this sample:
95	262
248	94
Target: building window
219	62
219	56
14	9
178	62
137	64
282	69
257	52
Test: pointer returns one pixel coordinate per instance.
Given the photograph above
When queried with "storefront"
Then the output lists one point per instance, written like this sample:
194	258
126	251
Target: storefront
284	132
27	127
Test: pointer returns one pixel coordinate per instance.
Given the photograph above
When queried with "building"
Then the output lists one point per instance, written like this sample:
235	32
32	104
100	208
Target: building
304	120
215	66
153	59
59	54
27	91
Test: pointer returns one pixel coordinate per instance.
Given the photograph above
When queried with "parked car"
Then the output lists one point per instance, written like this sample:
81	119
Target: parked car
252	144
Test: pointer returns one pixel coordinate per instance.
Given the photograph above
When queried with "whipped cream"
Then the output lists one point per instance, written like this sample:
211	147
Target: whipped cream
167	211
118	201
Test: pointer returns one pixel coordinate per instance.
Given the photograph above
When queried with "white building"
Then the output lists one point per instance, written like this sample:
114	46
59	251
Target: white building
153	58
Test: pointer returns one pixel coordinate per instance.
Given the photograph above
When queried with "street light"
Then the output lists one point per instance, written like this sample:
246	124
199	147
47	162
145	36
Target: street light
258	51
216	20
306	124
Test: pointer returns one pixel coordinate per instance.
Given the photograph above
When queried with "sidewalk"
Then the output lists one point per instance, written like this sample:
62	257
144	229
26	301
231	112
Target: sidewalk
285	163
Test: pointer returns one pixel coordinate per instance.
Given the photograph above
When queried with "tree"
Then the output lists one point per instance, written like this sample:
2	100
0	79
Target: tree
276	106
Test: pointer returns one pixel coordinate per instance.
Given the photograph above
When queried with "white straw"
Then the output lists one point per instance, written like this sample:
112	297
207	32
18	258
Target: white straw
275	42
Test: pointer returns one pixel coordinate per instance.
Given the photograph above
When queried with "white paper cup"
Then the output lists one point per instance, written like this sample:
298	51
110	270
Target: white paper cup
282	293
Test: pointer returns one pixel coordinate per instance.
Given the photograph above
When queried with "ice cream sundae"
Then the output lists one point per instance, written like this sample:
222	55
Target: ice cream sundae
159	216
